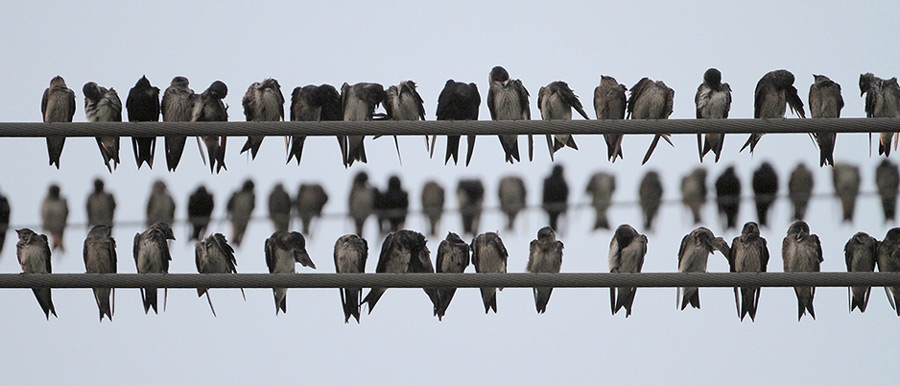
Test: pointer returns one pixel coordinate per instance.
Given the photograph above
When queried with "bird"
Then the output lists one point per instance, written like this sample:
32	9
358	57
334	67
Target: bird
882	101
512	194
800	188
601	187
802	252
825	101
177	106
508	100
391	206
283	250
54	216
142	105
311	198
350	254
650	195
151	255
403	251
545	255
240	210
887	179
728	197
359	103
861	255
103	105
57	105
34	257
361	202
749	253
100	257
458	101
214	255
263	101
713	100
208	107
101	206
489	255
161	205
693	255
610	103
4	219
556	101
765	191
403	103
433	204
889	261
555	198
846	187
775	92
280	208
693	192
651	100
314	103
452	257
199	210
470	196
626	255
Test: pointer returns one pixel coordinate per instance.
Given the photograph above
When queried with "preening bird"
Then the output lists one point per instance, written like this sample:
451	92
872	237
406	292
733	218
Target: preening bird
33	254
452	257
103	105
100	257
802	252
359	102
283	250
214	255
749	253
889	261
151	255
693	254
350	254
651	100
57	105
489	255
208	107
403	251
861	255
713	100
610	103
458	101
545	255
775	91
626	255
403	103
143	106
511	193
508	100
263	101
177	106
314	103
882	101
556	101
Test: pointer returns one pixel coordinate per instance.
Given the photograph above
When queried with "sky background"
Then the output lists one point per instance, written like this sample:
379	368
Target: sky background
576	341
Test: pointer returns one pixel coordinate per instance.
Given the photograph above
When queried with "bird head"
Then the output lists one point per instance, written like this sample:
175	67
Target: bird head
218	90
712	77
248	186
98	185
498	74
453	238
91	90
53	191
799	229
394	183
750	229
893	234
865	82
142	83
546	234
361	178
624	235
179	81
271	83
25	234
163	229
58	81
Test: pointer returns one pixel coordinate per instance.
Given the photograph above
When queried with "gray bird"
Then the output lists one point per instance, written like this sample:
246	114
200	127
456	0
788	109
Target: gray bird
263	101
545	255
283	250
470	198
240	210
314	103
800	188
861	255
489	255
825	101
555	198
610	103
508	101
882	101
391	206
601	187
199	210
651	100
57	105
101	206
433	205
4	219
846	187
713	100
208	107
452	257
626	255
765	191
34	257
103	105
350	254
403	103
403	251
460	102
143	106
151	255
775	91
359	102
802	252
177	106
362	201
887	179
693	192
693	255
650	195
728	197
280	208
54	216
100	257
556	101
214	255
889	261
749	253
161	205
311	198
512	194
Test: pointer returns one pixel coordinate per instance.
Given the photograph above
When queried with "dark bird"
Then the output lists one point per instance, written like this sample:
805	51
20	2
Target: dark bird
57	105
143	106
54	216
452	257
151	255
350	254
626	255
103	105
177	106
693	255
860	254
749	253
161	205
601	187
555	199
280	208
403	251
470	197
889	261
713	101
800	188
100	257
458	101
433	205
359	102
314	103
825	101
508	100
34	257
775	91
311	198
214	255
887	179
240	209
545	255
650	195
846	187
391	206
101	206
651	100
512	194
403	103
4	219
489	255
765	191
802	252
362	201
693	192
199	210
208	107
263	101
283	250
728	197
610	103
556	101
882	101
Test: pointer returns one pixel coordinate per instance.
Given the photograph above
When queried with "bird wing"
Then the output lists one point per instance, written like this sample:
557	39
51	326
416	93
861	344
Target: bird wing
569	97
523	98
200	256
411	88
385	255
682	247
364	256
764	255
474	101
759	96
643	252
735	244
390	97
670	100
794	101
636	92
111	246
222	245
540	100
137	246
701	98
848	254
785	246
815	240
45	248
727	90
444	99
490	102
44	102
270	254
248	102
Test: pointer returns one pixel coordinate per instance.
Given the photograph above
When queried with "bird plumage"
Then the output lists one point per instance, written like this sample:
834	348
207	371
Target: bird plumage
263	101
556	102
100	257
33	254
610	103
209	107
103	105
545	256
283	250
508	100
774	92
452	257
151	255
143	105
749	253
350	255
693	255
177	106
57	105
825	101
802	252
626	255
458	101
214	255
512	193
713	101
651	100
860	255
489	255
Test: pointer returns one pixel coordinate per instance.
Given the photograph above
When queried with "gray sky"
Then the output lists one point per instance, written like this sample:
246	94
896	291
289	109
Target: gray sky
332	42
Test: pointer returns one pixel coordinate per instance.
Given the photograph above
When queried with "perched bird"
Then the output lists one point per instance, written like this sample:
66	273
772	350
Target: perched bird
208	107
54	216
57	105
713	100
692	257
101	206
391	206
177	106
846	187
601	187
545	255
452	257
314	103
214	255
887	179
626	255
825	101
403	103
311	198
4	219
283	250
650	195
359	102
350	254
749	253
151	255
362	201
489	255
555	198
651	100
100	257
861	255
143	106
512	194
556	101
765	191
800	188
433	204
508	100
775	91
458	101
240	209
610	103
882	101
728	197
889	261
263	101
403	251
802	252
693	192
34	257
199	210
470	196
280	208
103	105
160	205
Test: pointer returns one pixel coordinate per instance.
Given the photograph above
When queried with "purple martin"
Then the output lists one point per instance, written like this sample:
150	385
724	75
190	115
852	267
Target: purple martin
151	255
508	100
458	101
57	105
34	257
601	187
214	255
650	195
610	103
199	210
889	261
545	255
713	101
101	206
556	102
860	254
882	101
283	250
775	91
800	190
54	215
693	255
100	257
350	254
280	208
626	255
555	199
452	257
240	209
314	103
728	197
512	194
208	107
403	103
802	252
103	105
391	206
765	191
651	100
359	102
311	198
749	253
693	192
403	251
887	179
362	201
262	102
143	106
161	205
177	106
433	205
489	255
846	187
825	101
470	196
4	219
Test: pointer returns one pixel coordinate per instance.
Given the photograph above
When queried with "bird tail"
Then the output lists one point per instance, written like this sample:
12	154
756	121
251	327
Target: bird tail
54	148
372	298
452	149
860	298
470	149
253	143
489	298
691	296
748	302
174	150
148	295
101	295
280	300
350	301
296	151
541	298
45	301
752	141
510	144
445	296
600	221
805	301
626	298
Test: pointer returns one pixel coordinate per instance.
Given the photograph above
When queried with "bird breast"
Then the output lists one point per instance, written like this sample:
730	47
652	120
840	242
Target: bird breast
33	259
284	261
747	258
57	107
773	104
651	104
347	259
694	258
357	109
405	108
211	261
714	105
97	257
507	105
490	260
553	107
150	256
361	201
177	106
801	256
